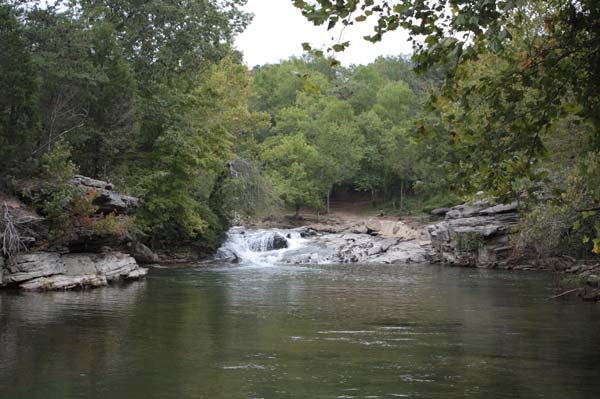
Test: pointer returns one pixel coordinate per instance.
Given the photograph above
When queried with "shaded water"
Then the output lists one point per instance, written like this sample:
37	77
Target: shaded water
303	332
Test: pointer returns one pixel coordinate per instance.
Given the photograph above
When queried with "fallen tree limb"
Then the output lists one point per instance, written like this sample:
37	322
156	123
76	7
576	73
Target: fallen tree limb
565	293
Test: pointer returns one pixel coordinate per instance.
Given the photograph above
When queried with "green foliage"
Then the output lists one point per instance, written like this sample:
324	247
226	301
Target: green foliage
18	92
567	222
144	93
441	200
468	242
112	225
515	73
361	122
201	117
110	127
245	193
547	228
292	164
57	193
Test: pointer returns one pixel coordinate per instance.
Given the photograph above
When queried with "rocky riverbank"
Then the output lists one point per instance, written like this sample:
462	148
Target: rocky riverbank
86	257
480	235
53	271
390	242
476	235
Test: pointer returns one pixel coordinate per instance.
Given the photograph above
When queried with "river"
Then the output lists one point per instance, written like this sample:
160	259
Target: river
305	331
302	332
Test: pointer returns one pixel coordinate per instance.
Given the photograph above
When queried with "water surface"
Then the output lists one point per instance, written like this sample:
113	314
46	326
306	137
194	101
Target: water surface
303	332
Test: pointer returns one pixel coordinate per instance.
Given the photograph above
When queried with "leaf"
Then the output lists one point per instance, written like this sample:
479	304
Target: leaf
586	239
306	46
340	46
588	214
360	18
333	62
576	225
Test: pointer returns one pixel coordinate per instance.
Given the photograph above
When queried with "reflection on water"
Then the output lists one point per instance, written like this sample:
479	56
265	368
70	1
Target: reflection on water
302	332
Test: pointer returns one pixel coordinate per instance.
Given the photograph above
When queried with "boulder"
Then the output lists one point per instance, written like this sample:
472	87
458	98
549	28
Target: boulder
115	265
359	229
279	242
306	232
94	183
439	211
107	200
143	254
111	202
475	235
373	226
28	266
137	273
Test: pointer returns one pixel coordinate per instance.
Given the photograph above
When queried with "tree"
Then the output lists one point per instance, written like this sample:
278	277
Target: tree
107	139
278	86
328	124
364	84
169	37
188	158
293	166
560	53
18	92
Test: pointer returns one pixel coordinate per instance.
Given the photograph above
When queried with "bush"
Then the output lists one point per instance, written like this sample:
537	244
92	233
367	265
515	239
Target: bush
112	224
57	193
561	226
442	200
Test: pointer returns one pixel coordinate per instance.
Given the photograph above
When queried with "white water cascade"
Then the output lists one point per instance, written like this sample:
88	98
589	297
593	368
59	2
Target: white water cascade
260	247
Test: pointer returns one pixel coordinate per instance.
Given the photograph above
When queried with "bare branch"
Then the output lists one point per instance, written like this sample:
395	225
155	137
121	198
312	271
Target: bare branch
12	243
49	142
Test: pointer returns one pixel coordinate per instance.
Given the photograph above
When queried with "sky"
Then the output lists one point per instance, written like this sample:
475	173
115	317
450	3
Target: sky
279	29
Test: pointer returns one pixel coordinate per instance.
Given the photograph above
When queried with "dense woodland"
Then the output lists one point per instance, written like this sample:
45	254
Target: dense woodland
500	101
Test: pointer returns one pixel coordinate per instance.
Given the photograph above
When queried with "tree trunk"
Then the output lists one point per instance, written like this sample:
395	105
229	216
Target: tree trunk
328	200
297	214
401	195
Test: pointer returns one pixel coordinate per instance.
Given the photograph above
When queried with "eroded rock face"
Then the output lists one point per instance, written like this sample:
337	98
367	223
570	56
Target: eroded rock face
107	200
28	266
51	271
476	235
361	248
89	182
115	265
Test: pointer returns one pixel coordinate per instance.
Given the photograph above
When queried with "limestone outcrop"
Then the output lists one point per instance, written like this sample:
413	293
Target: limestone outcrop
107	200
85	257
53	271
476	235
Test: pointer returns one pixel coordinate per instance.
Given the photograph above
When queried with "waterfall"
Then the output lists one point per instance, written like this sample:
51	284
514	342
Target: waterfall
258	246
